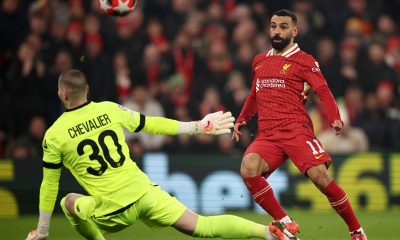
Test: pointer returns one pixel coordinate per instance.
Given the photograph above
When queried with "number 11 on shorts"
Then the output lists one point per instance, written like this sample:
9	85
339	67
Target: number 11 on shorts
314	150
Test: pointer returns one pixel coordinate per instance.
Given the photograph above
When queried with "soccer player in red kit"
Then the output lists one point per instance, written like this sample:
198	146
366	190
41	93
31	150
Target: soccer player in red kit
281	82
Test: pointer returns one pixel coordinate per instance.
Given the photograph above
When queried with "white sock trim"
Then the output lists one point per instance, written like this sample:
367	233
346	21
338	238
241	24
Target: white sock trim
286	220
361	230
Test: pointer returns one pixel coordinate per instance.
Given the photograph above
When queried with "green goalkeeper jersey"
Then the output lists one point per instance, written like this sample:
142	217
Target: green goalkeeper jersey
89	141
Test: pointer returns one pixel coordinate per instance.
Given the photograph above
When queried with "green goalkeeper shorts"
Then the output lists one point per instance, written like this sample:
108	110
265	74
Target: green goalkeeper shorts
156	208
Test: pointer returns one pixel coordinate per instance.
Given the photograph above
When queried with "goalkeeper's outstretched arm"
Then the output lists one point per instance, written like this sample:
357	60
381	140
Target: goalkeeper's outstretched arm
48	196
216	123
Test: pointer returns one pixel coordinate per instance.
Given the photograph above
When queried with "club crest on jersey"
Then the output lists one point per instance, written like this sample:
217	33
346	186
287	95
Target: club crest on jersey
285	68
316	69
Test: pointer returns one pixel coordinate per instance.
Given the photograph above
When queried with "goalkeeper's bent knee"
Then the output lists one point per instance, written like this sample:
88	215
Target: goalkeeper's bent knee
83	207
63	207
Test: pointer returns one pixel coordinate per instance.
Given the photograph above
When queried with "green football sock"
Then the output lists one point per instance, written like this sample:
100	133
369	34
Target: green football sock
228	226
81	222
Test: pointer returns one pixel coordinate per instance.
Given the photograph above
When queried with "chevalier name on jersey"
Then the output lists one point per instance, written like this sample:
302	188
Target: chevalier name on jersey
89	125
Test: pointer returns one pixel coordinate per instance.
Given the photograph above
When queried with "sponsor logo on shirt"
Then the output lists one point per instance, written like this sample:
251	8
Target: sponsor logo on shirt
285	68
269	83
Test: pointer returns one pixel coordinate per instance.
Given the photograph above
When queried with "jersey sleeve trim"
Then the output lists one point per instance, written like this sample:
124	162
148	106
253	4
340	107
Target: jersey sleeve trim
52	165
141	123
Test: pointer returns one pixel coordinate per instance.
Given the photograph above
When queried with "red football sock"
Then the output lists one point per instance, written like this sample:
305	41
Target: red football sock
339	201
263	195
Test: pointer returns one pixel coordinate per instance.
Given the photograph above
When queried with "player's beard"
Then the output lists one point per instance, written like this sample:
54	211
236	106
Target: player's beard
279	45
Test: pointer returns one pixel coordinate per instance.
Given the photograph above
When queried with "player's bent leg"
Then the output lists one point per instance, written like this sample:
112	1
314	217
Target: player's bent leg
320	176
253	165
252	168
338	199
78	209
222	226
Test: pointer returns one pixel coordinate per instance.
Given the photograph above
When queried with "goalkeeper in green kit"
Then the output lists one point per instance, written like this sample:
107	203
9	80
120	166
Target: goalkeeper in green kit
88	139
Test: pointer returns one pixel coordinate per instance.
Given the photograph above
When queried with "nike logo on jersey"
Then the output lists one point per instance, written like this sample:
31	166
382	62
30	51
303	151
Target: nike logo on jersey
319	156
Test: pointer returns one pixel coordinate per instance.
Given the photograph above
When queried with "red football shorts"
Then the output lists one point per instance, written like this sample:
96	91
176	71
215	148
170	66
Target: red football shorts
304	151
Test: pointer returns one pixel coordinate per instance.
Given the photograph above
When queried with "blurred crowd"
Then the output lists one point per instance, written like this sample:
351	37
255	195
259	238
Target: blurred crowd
185	58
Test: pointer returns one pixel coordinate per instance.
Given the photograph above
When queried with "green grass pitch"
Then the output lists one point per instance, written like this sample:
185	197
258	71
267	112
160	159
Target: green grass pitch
321	226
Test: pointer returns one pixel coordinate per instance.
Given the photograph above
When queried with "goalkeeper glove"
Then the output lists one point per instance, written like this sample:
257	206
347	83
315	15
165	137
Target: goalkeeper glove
35	235
215	123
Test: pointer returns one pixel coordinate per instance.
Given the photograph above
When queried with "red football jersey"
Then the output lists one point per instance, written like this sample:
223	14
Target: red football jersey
276	93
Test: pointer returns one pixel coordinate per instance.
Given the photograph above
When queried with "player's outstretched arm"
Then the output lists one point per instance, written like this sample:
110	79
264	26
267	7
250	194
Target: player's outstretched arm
48	196
42	231
216	123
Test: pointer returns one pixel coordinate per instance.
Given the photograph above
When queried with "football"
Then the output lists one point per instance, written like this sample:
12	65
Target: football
117	7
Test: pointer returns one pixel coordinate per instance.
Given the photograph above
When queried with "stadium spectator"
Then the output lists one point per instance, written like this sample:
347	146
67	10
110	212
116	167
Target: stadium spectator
98	68
29	145
131	39
234	96
385	29
11	11
219	65
62	61
74	36
392	54
176	17
57	36
77	9
351	140
91	24
211	102
345	69
154	68
156	36
194	28
372	119
19	150
244	33
353	102
307	33
187	62
243	58
374	68
25	85
122	75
